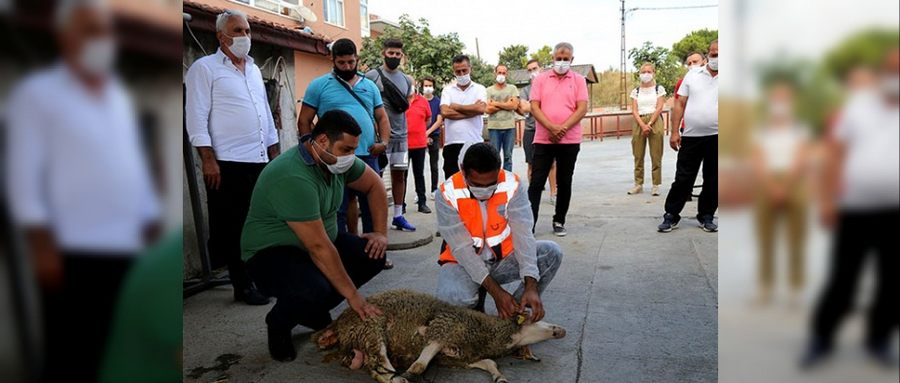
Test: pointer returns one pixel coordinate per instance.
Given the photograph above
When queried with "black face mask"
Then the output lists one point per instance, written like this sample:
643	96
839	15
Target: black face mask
345	75
392	62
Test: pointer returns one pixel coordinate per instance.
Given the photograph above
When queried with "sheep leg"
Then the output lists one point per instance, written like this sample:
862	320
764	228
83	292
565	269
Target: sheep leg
384	371
428	353
491	367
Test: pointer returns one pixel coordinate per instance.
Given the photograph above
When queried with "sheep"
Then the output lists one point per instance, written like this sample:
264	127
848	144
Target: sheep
416	328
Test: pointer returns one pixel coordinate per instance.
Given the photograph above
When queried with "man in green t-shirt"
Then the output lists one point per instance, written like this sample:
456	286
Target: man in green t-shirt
503	100
291	242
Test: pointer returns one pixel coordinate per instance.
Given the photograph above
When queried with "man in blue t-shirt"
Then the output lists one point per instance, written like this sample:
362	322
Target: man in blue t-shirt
434	130
332	91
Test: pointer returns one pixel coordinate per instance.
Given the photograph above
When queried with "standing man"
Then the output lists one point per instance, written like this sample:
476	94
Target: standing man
534	69
79	189
418	116
699	105
396	89
694	60
332	91
558	103
229	122
462	105
502	102
434	132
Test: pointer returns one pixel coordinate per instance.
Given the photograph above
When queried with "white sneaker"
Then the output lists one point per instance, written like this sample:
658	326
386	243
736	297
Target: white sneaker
636	190
553	200
655	190
432	195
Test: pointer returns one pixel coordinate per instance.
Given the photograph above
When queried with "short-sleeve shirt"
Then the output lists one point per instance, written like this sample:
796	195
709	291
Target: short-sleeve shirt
325	93
466	130
701	115
502	119
417	117
647	97
435	104
402	82
559	96
293	188
525	94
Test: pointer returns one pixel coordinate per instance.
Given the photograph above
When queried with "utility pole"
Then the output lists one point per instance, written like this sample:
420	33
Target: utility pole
622	104
477	50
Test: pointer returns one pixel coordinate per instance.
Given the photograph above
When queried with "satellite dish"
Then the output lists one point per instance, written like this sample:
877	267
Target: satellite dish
303	13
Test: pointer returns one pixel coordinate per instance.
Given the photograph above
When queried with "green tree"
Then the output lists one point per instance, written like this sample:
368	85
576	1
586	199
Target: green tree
426	54
863	49
482	72
514	56
544	56
668	69
695	41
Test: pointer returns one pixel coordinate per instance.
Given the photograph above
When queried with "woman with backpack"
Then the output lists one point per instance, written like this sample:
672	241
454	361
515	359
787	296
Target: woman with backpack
646	106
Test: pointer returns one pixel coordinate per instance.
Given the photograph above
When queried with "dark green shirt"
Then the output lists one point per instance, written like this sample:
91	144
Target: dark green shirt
293	188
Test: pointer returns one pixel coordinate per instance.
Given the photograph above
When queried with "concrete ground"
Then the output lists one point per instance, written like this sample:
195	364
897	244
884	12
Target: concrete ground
639	306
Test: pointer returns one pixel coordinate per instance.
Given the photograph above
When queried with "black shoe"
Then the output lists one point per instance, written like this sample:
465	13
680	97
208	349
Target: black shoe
423	208
251	296
670	221
559	229
815	355
881	354
281	346
707	223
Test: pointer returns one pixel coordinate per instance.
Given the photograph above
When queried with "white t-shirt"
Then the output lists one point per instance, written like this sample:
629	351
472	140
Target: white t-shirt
701	115
467	130
780	146
870	131
646	98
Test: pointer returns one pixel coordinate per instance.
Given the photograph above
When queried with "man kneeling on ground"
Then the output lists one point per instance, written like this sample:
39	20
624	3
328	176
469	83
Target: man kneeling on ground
485	219
290	240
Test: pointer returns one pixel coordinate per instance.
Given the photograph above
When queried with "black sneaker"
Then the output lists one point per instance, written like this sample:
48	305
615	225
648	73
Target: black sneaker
423	208
707	223
815	355
251	296
670	221
281	346
882	355
559	229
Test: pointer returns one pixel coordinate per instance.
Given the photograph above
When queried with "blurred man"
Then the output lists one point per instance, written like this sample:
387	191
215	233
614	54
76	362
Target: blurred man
291	243
396	89
78	187
435	138
506	252
558	103
861	199
462	106
332	91
699	144
502	102
229	122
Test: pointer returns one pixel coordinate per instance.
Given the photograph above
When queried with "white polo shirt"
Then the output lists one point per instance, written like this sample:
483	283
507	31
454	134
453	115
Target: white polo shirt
701	115
229	110
467	130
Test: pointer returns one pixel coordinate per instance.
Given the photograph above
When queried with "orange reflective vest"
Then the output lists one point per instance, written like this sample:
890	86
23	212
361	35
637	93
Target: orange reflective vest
495	232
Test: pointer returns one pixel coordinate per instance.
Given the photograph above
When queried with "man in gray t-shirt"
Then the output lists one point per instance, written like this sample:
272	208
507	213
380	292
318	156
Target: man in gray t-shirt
534	68
397	150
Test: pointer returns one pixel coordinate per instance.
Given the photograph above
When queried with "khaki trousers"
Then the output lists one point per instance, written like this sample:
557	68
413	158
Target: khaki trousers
639	145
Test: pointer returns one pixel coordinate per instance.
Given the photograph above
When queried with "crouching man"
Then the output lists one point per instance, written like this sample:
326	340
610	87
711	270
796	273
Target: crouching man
485	219
290	240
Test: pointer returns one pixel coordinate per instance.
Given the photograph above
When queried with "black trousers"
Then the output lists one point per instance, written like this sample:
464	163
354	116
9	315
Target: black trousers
694	152
78	316
304	296
417	160
860	235
451	159
565	156
228	208
434	151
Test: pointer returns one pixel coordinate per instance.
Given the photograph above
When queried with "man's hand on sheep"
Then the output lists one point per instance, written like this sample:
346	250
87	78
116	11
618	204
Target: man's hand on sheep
377	244
365	309
531	298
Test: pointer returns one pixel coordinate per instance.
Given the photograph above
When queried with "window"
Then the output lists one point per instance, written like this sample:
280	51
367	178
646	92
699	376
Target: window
334	12
364	18
276	6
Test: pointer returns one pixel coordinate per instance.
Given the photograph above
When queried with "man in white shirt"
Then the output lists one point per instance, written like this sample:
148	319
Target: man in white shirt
462	106
78	187
699	144
229	122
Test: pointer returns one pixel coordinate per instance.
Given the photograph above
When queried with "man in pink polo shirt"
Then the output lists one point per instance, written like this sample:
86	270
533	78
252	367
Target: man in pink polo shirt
558	103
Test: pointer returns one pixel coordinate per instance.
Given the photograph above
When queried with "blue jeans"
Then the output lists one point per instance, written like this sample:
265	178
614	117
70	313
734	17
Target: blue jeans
503	140
456	287
363	199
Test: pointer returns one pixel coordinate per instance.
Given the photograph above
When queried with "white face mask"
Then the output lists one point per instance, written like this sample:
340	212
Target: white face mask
343	163
464	79
646	77
501	78
780	109
534	74
483	193
561	67
240	46
713	64
98	56
428	90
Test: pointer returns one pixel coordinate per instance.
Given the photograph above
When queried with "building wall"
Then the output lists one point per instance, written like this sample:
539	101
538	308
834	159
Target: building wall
307	68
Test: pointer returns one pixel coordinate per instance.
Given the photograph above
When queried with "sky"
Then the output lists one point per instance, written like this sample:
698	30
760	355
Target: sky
592	26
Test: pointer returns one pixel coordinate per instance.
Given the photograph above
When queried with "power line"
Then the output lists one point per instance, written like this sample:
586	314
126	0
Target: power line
673	8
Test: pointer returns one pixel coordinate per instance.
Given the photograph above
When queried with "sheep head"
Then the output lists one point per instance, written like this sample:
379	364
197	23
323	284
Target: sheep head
531	333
